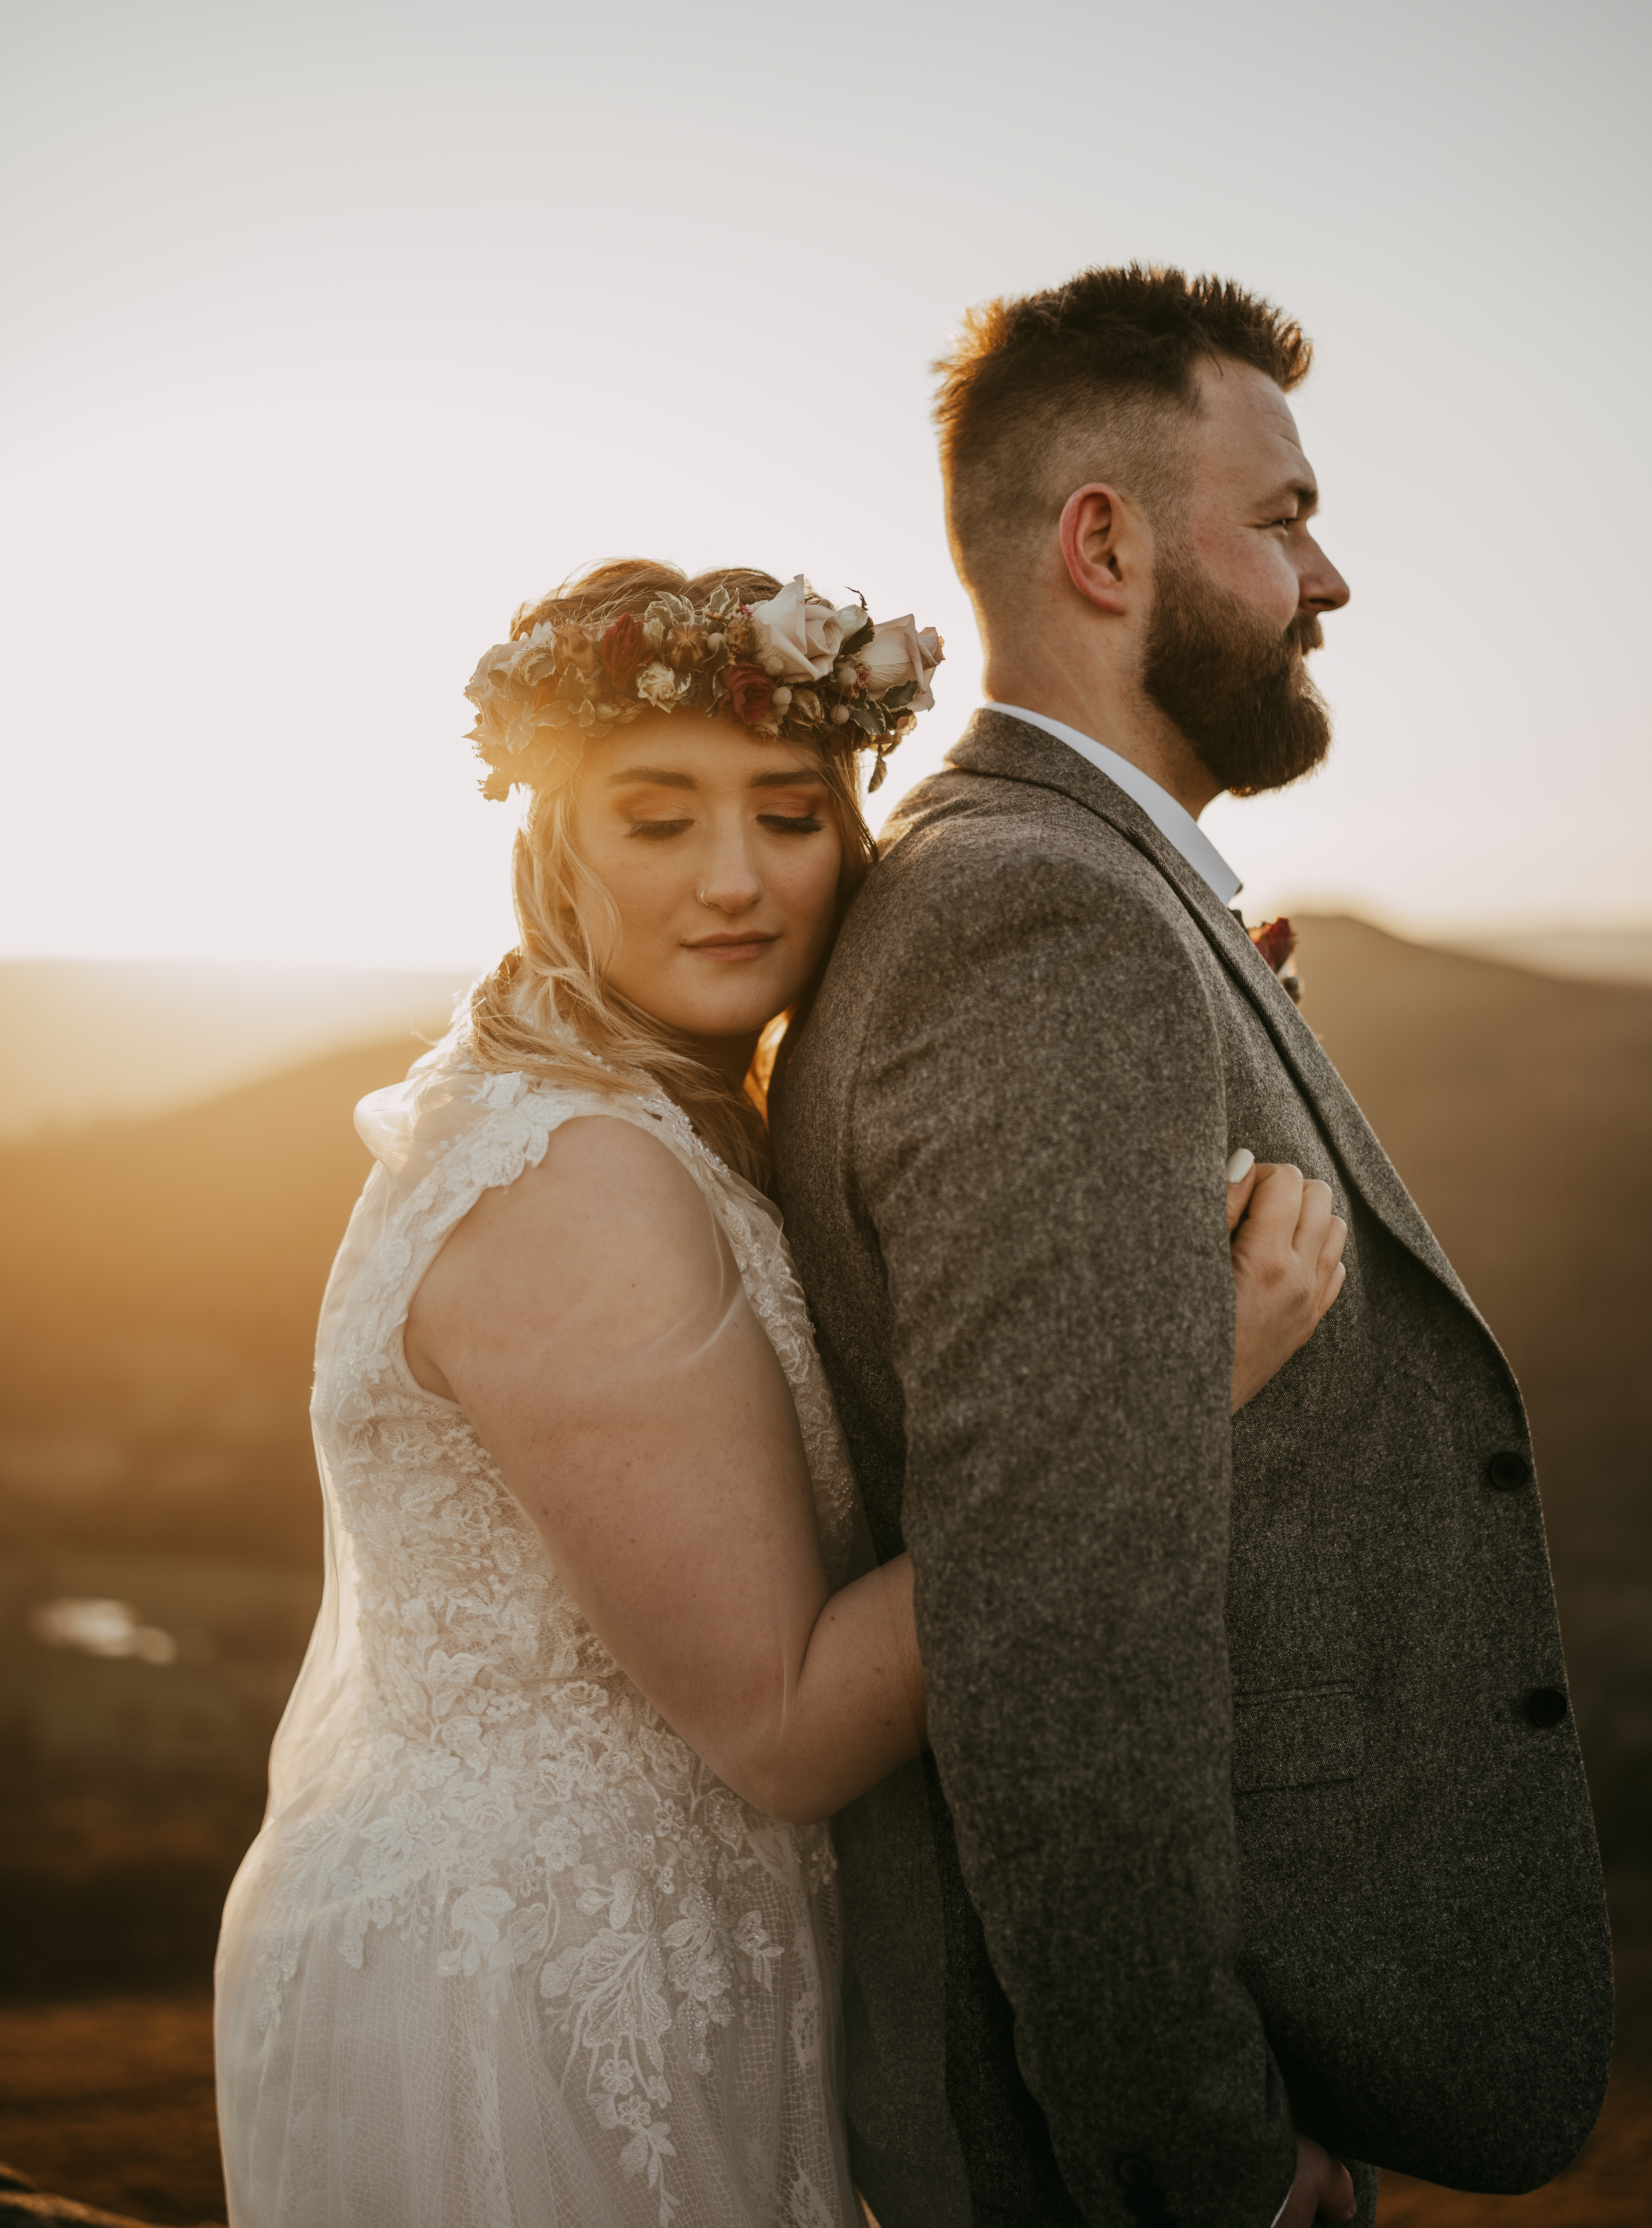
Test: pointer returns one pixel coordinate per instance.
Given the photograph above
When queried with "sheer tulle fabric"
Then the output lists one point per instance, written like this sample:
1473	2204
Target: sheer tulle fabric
506	1953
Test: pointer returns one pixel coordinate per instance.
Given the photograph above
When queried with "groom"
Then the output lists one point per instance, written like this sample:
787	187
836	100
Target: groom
1255	1821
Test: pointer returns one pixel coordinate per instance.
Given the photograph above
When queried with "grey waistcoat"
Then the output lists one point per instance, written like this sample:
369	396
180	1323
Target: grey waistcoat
1254	1805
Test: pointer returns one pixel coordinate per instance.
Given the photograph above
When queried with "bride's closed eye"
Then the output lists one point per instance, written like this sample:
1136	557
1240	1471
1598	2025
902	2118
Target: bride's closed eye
783	823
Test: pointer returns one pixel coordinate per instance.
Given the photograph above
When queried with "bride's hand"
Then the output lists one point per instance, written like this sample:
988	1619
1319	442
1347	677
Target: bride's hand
1287	1248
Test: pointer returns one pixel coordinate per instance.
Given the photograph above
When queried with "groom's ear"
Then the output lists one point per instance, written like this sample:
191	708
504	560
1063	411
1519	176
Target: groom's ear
1098	534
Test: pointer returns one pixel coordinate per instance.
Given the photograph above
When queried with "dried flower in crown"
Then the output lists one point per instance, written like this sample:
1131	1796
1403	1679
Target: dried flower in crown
795	665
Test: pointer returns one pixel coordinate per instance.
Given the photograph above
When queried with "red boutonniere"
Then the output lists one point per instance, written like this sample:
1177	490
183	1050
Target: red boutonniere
1277	941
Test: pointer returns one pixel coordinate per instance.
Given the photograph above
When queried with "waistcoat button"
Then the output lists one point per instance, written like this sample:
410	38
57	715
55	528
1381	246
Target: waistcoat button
1545	1705
1508	1471
1143	2198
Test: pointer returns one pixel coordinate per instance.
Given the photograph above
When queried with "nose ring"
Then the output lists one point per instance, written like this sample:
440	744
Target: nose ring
703	898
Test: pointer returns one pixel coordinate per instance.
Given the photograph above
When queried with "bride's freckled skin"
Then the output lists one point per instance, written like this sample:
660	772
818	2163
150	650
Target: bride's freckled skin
722	859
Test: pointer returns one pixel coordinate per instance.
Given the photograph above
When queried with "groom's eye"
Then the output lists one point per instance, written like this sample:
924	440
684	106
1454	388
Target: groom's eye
656	830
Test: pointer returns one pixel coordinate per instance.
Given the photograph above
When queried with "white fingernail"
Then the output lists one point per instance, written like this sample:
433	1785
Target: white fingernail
1241	1164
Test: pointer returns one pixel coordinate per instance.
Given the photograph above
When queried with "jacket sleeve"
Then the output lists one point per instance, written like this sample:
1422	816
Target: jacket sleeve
1038	1137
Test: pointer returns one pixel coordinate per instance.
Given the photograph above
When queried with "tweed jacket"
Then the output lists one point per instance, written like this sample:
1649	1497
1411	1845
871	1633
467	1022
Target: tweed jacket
1254	1803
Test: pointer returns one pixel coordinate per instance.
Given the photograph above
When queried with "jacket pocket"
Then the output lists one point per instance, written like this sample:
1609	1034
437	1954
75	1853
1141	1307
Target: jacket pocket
1296	1737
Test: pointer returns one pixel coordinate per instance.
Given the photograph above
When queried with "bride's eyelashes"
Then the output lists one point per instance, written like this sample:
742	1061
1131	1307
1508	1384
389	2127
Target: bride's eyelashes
783	823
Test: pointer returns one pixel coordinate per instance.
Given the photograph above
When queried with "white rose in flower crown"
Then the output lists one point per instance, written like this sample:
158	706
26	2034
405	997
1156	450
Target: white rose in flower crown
516	725
802	636
535	655
895	655
494	669
657	685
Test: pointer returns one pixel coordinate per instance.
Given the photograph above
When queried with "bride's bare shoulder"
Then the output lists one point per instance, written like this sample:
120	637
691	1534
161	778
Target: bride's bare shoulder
610	1149
603	1179
609	1222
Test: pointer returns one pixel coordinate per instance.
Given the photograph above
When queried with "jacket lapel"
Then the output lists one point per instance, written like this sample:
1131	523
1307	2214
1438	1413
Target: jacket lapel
1009	750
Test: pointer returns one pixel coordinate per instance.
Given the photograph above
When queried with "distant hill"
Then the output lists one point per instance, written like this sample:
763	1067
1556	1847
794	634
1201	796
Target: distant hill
87	1039
1589	955
159	1315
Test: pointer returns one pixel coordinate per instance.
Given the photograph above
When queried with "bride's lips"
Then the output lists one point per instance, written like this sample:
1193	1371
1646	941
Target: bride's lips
732	944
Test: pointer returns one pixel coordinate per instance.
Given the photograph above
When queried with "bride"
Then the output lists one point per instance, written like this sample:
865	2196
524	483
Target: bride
539	1926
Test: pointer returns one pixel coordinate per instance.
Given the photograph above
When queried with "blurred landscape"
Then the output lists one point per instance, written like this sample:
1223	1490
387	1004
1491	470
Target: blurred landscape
160	1527
91	1039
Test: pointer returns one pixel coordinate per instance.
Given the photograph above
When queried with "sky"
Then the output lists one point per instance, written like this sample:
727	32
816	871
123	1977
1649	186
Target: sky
330	334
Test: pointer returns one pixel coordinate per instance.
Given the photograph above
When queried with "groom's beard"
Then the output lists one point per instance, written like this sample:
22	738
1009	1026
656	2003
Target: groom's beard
1236	689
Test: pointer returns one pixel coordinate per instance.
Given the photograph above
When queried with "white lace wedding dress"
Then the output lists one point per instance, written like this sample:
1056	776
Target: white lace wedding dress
506	1953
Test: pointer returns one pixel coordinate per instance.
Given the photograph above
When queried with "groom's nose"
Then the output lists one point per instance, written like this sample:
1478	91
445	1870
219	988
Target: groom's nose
1320	586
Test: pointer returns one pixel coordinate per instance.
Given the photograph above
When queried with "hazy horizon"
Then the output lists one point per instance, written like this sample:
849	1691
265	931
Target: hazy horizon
129	1039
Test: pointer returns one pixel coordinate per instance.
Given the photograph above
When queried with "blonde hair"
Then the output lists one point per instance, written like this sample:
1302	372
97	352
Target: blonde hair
548	1009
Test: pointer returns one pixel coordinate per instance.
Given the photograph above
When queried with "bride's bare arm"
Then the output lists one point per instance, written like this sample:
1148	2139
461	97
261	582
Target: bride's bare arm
591	1321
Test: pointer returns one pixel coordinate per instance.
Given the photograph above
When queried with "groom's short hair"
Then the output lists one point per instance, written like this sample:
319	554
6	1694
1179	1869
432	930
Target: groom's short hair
1092	380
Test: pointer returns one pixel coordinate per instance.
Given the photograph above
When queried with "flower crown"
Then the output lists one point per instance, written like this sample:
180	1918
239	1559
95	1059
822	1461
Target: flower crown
796	666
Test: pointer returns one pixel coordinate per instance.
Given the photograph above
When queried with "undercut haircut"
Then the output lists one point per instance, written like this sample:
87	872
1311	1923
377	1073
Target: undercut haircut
1094	380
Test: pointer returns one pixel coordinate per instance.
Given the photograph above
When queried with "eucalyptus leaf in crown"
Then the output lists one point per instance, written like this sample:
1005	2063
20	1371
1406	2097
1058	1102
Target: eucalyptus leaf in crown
797	665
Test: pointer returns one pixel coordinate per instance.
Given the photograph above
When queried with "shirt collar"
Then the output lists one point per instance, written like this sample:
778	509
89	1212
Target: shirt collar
1173	821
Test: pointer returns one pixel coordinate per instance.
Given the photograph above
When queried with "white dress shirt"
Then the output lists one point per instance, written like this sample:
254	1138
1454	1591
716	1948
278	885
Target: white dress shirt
1173	821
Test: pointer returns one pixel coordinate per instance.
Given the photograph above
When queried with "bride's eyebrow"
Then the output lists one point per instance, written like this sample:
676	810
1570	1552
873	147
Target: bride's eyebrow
787	778
657	775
